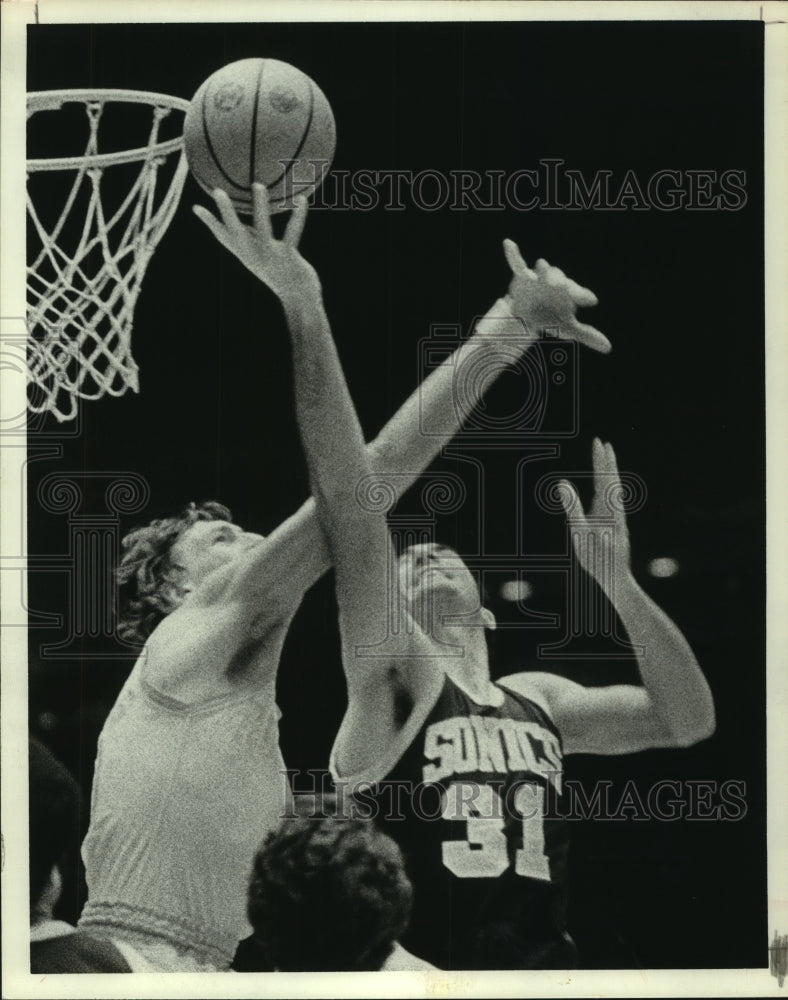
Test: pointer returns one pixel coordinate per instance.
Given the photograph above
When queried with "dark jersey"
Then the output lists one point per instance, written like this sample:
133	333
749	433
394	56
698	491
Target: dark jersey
474	802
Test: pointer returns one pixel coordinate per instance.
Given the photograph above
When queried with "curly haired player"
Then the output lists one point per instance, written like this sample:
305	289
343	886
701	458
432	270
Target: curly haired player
189	774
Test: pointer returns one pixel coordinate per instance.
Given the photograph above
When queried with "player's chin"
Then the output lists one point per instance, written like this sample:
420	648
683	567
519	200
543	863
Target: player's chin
432	587
417	599
447	594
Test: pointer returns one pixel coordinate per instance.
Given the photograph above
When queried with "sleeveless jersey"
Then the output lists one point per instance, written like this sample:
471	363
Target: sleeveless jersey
183	795
474	803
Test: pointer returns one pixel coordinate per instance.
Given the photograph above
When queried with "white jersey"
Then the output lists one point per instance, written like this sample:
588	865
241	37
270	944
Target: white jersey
183	795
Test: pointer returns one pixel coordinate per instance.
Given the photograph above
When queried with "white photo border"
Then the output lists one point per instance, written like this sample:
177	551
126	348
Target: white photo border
17	983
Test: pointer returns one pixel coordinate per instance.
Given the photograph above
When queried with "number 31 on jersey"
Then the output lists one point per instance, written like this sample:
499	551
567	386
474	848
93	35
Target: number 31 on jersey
483	853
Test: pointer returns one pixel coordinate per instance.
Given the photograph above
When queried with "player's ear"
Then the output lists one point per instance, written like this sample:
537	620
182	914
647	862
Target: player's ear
176	587
489	619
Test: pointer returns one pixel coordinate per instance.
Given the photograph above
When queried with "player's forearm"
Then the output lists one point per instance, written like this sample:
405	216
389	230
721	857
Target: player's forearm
434	413
284	565
401	447
330	431
356	536
668	668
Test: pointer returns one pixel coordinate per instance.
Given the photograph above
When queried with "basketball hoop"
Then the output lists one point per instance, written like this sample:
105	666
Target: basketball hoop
87	261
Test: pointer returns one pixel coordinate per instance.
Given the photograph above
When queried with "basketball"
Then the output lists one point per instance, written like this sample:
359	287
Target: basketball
259	120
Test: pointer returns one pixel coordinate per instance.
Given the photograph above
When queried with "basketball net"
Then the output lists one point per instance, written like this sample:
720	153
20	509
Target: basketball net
84	279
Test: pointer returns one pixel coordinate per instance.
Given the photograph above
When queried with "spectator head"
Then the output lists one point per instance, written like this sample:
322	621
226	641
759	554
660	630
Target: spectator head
328	894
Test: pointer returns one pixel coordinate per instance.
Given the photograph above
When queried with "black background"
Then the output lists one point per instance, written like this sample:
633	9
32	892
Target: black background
681	396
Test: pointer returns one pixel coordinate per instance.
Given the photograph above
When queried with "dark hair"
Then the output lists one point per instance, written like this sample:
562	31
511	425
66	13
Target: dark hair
328	895
54	816
148	582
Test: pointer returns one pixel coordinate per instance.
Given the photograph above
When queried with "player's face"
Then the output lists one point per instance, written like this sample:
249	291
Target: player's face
207	545
437	570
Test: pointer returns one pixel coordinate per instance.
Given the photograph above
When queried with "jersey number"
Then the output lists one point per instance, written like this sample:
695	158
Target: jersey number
483	853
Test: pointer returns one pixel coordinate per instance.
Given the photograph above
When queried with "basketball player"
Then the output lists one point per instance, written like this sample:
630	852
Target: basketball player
189	775
465	771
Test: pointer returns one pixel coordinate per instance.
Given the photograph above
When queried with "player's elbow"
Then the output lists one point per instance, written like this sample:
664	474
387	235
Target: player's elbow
697	730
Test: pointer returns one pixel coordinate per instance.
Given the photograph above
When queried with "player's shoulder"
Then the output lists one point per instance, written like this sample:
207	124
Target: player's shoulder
190	619
177	626
174	658
539	687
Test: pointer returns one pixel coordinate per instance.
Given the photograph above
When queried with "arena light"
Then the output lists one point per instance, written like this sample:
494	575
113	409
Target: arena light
516	590
663	567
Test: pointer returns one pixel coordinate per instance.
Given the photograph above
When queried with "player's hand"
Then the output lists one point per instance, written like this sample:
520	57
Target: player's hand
277	263
544	298
600	536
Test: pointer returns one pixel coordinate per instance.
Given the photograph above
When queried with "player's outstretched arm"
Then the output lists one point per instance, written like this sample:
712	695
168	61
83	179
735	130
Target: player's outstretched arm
674	707
538	298
354	527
